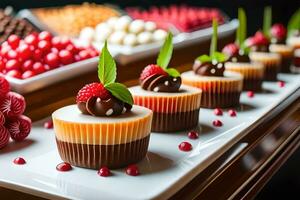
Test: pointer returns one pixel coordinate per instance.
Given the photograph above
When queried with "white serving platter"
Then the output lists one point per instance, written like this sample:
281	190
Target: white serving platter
164	171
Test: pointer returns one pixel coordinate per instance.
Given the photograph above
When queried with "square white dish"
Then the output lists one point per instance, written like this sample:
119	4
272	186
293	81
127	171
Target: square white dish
164	171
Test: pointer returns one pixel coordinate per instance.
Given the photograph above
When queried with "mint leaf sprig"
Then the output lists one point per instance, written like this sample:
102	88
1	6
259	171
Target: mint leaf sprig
267	22
241	32
107	73
165	55
214	55
294	22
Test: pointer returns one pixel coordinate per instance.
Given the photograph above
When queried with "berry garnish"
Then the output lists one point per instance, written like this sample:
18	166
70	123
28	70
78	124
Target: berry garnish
231	49
281	84
217	123
92	90
218	111
278	31
132	170
19	127
104	171
48	124
232	112
4	86
63	167
13	105
19	161
185	146
4	136
193	135
250	94
152	70
2	118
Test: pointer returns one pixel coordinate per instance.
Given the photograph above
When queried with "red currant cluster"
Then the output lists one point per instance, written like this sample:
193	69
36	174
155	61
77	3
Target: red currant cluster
12	121
39	53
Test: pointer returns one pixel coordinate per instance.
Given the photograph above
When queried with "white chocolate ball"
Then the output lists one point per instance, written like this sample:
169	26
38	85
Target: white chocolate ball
87	34
130	40
137	26
123	23
150	26
112	21
159	35
102	32
144	38
117	37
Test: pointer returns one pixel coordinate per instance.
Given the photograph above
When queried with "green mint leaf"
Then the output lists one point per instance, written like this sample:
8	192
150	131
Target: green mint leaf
214	38
294	22
120	91
107	70
165	52
220	57
241	32
173	72
204	58
267	23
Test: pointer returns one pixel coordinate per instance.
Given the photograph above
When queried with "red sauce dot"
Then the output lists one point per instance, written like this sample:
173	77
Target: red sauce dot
232	113
48	124
185	146
250	94
63	167
104	171
193	135
132	170
217	123
218	111
281	84
19	161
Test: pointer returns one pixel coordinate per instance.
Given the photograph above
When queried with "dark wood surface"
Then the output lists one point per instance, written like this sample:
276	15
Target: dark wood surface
270	143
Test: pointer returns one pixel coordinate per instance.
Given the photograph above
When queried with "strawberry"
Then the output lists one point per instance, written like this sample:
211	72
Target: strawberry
278	31
2	119
13	105
4	86
231	49
152	70
4	137
92	90
260	38
19	127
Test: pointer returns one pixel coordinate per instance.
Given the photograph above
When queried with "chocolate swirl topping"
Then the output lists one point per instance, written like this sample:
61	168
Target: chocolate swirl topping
97	107
239	57
161	83
275	40
260	48
209	68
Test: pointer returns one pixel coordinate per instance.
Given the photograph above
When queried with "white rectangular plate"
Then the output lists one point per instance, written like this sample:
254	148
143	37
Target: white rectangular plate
163	172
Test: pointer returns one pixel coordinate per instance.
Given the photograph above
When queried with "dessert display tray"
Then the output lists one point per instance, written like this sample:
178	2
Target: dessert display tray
164	171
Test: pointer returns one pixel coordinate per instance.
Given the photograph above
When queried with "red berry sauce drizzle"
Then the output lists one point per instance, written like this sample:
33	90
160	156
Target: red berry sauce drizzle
19	161
63	167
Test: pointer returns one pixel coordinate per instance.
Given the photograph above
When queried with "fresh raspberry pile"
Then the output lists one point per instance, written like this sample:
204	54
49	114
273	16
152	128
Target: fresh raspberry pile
13	124
151	70
92	90
38	53
184	18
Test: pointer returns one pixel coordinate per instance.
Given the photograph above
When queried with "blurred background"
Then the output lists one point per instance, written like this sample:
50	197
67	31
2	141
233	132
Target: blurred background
282	9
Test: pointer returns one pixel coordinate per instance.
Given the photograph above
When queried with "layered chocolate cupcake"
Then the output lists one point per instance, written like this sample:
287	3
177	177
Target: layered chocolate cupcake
259	47
175	107
278	35
239	61
104	128
219	89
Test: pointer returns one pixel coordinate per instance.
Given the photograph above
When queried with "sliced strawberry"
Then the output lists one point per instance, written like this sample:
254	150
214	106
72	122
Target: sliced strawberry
90	90
19	127
152	70
13	105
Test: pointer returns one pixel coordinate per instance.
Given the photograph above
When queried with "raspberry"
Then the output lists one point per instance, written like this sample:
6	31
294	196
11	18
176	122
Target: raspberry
278	31
13	105
151	70
92	90
4	86
4	137
19	127
231	49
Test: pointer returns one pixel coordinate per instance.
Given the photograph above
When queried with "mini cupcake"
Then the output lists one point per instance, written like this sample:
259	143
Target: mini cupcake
175	107
104	129
294	39
219	89
278	35
259	47
239	61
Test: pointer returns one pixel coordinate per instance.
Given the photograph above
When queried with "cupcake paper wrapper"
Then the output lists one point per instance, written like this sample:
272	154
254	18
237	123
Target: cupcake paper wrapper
287	53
